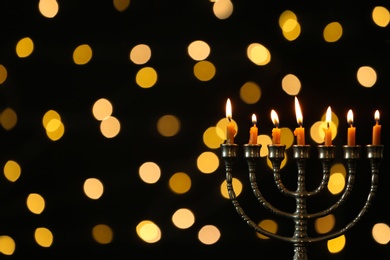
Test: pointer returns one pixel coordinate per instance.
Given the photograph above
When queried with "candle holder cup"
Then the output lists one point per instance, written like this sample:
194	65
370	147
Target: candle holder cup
301	154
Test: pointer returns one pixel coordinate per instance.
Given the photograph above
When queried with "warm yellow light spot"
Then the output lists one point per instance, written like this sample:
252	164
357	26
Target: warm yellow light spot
317	130
291	84
3	74
223	9
140	54
258	54
102	109
12	170
209	234
250	92
24	47
93	188
268	225
180	183
48	8
102	234
148	231
336	183
237	188
366	76
146	77
8	118
110	127
35	203
121	5
48	116
168	125
82	54
183	218
53	125
381	233
285	17
293	34
7	245
204	70
207	162
264	140
381	16
325	224
55	130
149	172
43	237
198	50
333	32
336	245
212	137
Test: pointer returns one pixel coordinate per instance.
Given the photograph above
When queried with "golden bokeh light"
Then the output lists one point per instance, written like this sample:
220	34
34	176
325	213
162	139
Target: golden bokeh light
337	244
291	84
102	109
366	76
149	172
8	118
325	224
148	231
110	127
250	92
12	170
381	233
204	70
198	50
333	32
48	8
207	162
223	9
268	225
102	234
3	73
7	245
183	218
336	183
82	54
93	188
180	183
212	137
258	54
35	203
209	234
381	16
43	236
121	5
146	77
140	54
168	125
24	47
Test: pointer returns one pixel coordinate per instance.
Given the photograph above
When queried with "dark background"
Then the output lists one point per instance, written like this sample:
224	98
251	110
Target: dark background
48	79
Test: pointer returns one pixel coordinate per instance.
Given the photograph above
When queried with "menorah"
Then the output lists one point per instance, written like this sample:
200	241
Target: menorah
301	154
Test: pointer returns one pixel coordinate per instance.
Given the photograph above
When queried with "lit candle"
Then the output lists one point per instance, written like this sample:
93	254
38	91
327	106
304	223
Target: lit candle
351	130
253	131
328	130
230	128
275	130
376	130
299	132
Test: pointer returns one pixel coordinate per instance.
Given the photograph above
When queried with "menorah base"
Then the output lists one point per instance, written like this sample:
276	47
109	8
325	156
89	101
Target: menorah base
300	252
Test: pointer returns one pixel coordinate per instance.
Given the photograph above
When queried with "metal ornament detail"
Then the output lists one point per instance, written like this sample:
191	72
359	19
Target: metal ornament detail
301	155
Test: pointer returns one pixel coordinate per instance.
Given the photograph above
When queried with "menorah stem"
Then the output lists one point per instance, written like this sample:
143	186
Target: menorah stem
301	154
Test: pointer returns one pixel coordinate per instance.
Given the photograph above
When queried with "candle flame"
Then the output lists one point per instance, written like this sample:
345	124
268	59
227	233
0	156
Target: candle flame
274	118
350	117
376	115
298	112
328	116
254	119
228	109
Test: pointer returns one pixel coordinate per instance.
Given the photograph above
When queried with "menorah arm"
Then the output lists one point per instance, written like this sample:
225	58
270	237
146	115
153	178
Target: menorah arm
244	216
363	211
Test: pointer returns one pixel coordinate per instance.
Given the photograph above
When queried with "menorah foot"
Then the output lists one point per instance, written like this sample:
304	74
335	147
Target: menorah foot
300	252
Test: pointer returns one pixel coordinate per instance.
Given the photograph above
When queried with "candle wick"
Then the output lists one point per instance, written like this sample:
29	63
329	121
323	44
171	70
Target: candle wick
229	119
327	124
